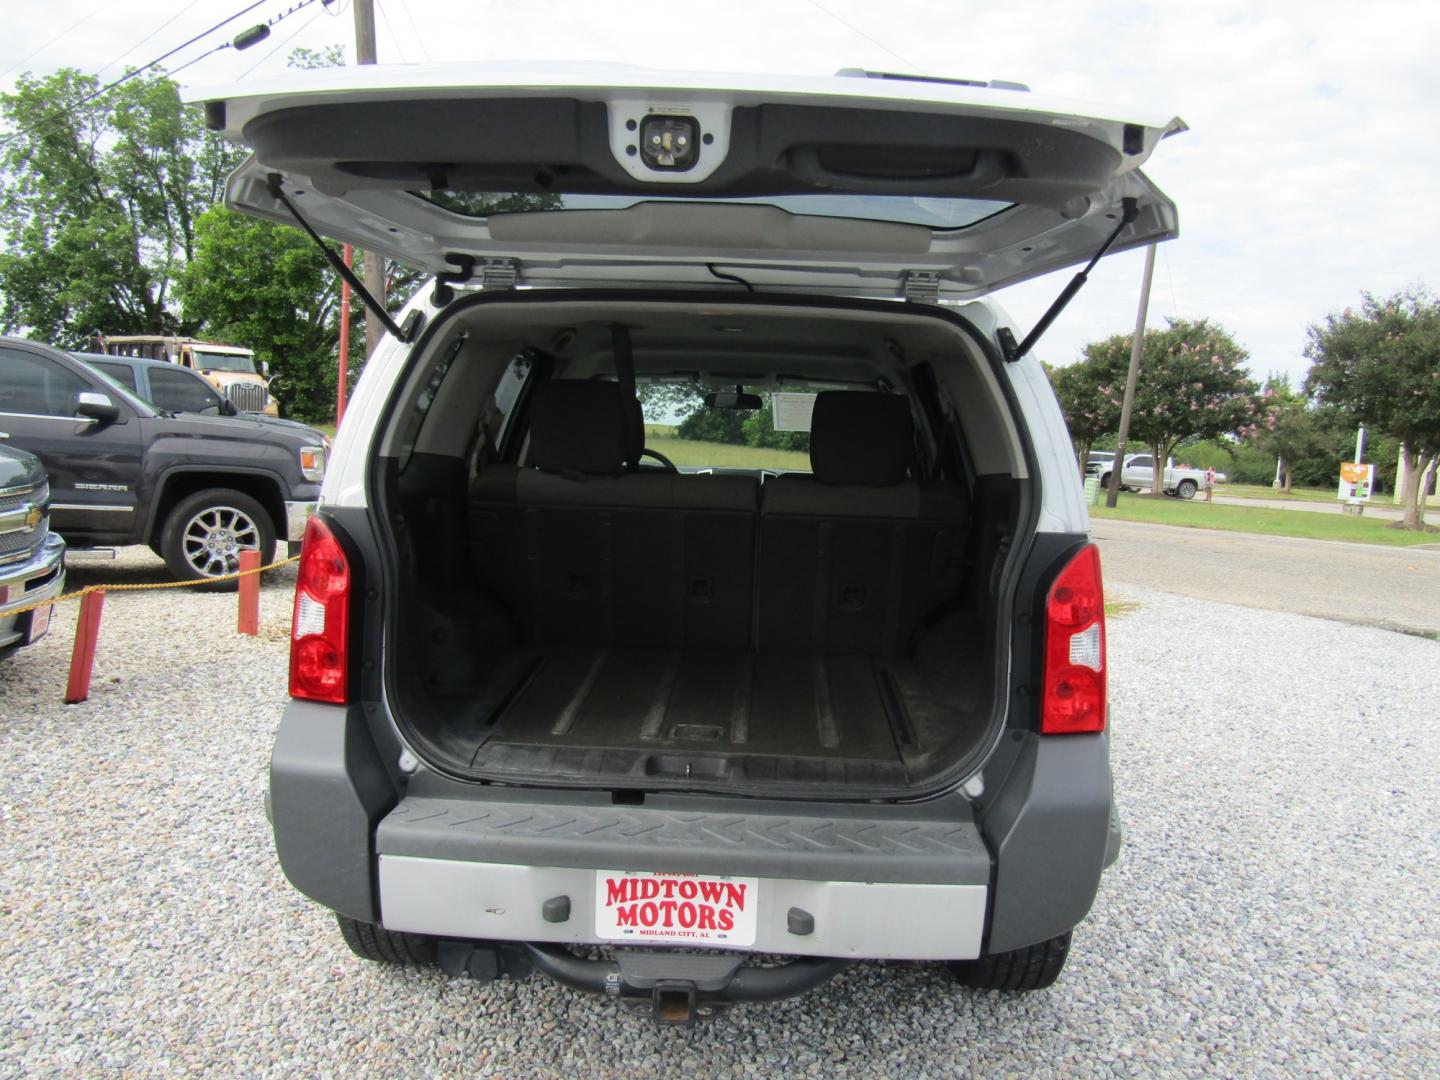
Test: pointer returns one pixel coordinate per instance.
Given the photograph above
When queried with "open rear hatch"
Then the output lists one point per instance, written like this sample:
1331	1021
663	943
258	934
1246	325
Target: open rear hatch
853	185
875	667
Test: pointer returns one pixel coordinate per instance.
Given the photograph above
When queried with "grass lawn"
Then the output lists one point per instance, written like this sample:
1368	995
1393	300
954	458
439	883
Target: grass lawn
723	455
1261	519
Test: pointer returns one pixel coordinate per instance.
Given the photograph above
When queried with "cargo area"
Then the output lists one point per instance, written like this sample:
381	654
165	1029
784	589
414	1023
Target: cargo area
572	611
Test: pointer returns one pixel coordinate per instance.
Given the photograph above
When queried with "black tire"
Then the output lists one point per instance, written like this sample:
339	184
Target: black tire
1186	489
205	532
1032	968
1105	482
371	942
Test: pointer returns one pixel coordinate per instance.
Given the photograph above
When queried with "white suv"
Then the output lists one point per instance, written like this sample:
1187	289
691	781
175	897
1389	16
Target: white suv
839	695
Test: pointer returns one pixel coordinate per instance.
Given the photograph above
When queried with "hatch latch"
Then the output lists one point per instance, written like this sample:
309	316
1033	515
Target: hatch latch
922	286
499	274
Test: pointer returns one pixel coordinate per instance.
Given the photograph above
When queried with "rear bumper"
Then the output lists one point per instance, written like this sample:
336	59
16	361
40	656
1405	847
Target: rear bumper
36	580
855	920
484	863
794	916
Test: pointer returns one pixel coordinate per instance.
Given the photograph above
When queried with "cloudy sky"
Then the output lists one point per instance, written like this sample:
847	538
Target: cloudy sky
1311	171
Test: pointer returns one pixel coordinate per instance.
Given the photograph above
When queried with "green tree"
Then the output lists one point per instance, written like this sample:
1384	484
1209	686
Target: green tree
268	287
715	425
1192	386
1380	366
1289	428
1090	393
759	428
99	201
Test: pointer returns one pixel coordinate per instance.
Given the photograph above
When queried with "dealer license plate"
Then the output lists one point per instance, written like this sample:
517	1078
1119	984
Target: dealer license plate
39	623
689	908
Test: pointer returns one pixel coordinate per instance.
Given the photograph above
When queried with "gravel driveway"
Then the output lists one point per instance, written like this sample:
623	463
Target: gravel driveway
1274	911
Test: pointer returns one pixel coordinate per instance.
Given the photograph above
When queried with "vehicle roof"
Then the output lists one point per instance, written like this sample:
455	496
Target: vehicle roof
167	339
544	77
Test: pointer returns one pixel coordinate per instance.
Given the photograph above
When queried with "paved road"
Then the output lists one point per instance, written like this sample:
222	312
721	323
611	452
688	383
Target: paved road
1395	588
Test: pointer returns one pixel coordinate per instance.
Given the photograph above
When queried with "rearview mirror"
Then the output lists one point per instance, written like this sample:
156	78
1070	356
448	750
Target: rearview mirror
733	399
96	406
227	407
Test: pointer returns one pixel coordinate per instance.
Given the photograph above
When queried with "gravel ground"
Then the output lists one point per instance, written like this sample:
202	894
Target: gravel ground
1274	911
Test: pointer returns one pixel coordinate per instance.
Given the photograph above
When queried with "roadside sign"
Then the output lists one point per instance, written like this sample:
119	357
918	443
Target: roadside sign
1356	481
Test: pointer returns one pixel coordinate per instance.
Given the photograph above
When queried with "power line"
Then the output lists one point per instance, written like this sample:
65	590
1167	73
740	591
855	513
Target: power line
208	53
852	27
63	33
159	59
298	31
391	31
418	39
60	113
147	37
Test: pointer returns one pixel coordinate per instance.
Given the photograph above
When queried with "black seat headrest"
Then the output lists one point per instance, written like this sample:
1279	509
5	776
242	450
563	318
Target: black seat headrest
578	425
861	437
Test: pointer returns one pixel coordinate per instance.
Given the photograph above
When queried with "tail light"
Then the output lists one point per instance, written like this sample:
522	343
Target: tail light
318	669
1074	697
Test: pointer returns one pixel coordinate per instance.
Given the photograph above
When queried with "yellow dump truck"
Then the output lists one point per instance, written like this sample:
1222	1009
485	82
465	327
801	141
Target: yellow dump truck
229	368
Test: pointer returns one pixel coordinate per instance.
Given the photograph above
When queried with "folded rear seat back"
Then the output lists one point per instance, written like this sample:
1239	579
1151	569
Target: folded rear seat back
854	557
584	553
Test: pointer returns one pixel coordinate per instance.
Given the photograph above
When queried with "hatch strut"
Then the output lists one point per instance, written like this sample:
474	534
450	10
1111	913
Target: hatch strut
273	182
1129	211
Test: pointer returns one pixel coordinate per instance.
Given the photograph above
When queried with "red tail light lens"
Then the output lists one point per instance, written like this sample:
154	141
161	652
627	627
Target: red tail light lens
1074	698
318	669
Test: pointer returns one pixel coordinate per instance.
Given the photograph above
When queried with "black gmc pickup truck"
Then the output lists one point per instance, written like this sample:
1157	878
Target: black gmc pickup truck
196	489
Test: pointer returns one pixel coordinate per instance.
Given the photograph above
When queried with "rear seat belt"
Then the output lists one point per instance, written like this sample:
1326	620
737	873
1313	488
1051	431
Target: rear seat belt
625	376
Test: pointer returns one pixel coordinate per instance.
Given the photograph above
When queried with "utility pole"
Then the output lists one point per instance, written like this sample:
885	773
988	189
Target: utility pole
374	261
344	376
1136	348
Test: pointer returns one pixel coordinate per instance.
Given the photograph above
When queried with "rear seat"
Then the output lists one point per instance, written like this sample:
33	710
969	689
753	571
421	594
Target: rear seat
854	557
582	552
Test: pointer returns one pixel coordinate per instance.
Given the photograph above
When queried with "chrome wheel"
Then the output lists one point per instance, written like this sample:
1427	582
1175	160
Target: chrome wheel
214	537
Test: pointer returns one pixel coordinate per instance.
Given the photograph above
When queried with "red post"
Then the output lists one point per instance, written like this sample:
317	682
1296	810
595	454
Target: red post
249	621
82	659
344	339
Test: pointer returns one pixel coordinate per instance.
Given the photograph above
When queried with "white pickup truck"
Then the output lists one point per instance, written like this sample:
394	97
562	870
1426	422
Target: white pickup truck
1138	472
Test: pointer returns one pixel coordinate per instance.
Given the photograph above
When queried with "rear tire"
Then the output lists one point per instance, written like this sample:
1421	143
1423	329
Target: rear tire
1186	489
1032	968
375	943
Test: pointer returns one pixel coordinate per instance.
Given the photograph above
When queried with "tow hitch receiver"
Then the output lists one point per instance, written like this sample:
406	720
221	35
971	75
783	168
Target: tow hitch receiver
681	988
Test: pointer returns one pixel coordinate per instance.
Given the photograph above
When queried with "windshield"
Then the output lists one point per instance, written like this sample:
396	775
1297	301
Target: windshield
773	438
933	213
216	361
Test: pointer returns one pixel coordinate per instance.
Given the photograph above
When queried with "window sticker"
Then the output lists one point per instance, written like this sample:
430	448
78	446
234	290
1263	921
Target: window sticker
791	412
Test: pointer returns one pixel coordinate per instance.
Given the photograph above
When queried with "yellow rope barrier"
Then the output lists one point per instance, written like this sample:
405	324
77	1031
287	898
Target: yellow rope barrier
157	585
